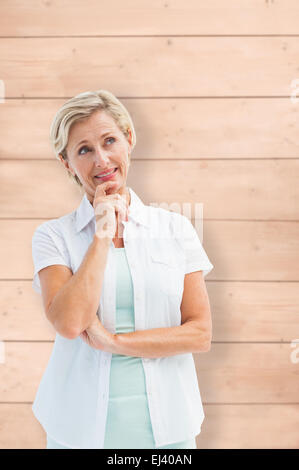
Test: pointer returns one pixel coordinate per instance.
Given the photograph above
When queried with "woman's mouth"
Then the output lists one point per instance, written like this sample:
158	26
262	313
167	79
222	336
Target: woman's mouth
107	175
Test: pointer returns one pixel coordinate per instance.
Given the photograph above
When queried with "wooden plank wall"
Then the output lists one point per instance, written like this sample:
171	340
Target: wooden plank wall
208	86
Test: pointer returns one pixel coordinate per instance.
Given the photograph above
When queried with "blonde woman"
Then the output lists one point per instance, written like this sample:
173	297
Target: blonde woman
123	285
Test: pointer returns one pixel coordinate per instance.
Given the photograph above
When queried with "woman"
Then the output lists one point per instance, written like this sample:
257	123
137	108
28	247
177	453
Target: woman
122	283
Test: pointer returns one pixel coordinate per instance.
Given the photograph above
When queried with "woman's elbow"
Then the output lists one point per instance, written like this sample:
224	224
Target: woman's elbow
205	343
206	347
65	331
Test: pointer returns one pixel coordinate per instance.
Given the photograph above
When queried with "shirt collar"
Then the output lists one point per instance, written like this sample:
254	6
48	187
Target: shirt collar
138	211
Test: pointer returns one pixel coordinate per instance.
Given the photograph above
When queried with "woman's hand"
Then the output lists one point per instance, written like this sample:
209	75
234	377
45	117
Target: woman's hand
107	208
97	337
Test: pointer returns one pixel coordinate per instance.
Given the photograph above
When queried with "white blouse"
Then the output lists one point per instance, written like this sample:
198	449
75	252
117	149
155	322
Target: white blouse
161	247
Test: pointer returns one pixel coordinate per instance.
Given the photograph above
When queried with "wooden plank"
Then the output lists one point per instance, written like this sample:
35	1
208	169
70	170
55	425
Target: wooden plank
229	373
248	373
266	251
19	429
253	251
21	370
225	427
22	314
248	190
254	311
241	311
141	17
250	427
182	128
187	66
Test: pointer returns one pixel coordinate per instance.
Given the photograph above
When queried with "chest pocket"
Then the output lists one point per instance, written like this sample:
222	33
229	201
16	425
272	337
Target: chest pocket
167	272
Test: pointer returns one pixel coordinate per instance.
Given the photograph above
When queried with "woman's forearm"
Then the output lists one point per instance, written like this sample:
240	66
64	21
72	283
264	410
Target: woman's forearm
76	303
159	342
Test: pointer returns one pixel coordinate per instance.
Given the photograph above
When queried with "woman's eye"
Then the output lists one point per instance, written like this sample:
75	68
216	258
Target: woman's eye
82	149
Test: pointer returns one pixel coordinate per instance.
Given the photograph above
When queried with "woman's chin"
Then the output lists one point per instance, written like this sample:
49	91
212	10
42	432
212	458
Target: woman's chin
111	189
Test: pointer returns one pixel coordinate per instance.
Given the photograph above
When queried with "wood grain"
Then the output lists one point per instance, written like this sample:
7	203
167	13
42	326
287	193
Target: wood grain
186	66
137	17
263	426
267	251
225	189
229	373
170	128
241	311
225	427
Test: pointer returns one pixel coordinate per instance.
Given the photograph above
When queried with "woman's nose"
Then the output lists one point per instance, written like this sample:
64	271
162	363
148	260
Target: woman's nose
101	157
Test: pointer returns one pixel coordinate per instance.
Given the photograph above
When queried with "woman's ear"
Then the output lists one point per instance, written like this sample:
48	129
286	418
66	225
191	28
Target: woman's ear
66	165
130	139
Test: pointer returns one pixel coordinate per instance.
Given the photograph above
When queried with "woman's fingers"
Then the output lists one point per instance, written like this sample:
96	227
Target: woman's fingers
115	205
109	209
103	189
115	200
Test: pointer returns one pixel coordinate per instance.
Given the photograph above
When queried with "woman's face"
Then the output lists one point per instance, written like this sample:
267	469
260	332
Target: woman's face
104	147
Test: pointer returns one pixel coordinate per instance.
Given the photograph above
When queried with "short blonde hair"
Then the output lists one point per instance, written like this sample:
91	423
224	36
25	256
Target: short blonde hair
82	106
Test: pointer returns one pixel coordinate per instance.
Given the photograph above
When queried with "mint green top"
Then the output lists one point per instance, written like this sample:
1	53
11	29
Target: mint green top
128	424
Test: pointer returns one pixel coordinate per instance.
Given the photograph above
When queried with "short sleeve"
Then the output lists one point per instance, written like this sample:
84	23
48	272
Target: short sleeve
47	249
196	259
